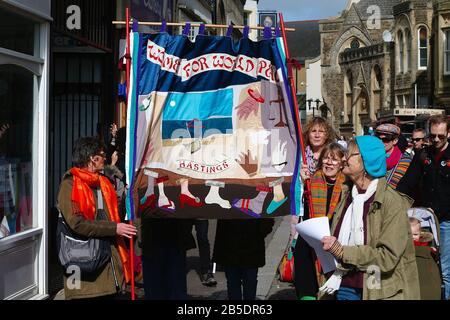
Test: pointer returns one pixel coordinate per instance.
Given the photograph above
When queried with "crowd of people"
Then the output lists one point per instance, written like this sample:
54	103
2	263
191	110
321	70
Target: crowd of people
387	200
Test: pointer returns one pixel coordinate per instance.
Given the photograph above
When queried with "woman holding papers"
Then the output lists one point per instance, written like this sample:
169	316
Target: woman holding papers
372	239
326	184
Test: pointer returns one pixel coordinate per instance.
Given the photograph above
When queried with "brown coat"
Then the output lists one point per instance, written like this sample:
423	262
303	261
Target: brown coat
101	283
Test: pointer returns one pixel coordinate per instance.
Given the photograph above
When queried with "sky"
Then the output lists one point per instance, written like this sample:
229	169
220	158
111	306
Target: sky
294	10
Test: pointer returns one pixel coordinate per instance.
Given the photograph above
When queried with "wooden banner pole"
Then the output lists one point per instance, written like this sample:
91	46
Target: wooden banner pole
128	70
307	190
180	24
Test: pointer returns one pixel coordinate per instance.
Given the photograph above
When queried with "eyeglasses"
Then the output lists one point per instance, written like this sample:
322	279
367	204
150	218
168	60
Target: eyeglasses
439	136
417	139
332	160
347	157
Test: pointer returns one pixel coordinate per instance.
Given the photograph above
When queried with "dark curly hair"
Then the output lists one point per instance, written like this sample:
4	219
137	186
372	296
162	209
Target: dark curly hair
84	149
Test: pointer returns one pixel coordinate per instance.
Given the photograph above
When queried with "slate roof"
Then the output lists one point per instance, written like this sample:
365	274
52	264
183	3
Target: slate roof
304	42
386	7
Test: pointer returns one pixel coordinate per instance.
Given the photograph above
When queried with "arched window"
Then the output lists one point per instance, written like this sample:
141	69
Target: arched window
348	96
355	44
400	52
408	41
375	84
423	47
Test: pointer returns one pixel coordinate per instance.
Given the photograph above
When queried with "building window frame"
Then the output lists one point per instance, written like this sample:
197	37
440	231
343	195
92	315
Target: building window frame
38	65
446	51
408	48
193	31
400	52
422	49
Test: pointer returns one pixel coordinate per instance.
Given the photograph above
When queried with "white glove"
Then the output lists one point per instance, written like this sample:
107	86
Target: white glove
333	284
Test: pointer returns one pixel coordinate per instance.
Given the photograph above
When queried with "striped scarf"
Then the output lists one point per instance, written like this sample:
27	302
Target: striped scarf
396	173
319	194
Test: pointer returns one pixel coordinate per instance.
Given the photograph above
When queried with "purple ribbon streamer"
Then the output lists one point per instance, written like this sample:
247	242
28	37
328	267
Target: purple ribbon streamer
246	32
267	33
186	29
163	26
201	30
229	30
135	26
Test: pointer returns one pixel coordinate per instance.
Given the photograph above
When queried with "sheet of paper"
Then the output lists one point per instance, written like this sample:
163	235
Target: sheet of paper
313	230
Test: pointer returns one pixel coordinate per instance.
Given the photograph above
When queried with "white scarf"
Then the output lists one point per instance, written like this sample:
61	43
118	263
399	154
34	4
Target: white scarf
352	228
352	231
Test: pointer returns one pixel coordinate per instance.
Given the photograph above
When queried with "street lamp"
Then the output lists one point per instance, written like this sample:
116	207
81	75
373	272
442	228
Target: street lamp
309	103
317	106
324	110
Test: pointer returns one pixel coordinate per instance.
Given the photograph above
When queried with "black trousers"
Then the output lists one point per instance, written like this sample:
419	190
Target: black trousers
165	273
305	280
241	283
201	229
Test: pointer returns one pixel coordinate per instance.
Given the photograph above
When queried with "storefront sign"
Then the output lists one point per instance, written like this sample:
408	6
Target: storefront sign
416	112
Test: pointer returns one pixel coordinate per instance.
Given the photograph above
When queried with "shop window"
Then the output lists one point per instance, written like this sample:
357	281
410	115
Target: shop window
18	33
423	48
422	101
16	133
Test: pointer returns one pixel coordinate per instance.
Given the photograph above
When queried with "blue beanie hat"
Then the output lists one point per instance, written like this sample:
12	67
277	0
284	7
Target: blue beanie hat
373	155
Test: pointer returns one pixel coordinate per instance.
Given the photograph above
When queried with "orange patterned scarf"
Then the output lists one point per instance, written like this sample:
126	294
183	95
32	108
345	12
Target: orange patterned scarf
83	201
319	194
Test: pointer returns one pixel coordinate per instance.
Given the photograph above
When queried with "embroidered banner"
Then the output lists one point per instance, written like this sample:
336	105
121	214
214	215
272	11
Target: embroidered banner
211	129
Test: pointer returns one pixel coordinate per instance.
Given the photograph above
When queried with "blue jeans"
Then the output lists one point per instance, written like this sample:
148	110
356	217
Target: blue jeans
445	257
241	283
347	293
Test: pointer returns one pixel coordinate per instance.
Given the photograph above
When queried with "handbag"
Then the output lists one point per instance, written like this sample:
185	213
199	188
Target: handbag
286	266
88	254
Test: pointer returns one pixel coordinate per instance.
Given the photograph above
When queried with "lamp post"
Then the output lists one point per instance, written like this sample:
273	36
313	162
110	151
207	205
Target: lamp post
309	103
324	110
317	105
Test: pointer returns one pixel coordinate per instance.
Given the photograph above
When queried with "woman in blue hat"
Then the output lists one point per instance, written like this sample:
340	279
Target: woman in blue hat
371	236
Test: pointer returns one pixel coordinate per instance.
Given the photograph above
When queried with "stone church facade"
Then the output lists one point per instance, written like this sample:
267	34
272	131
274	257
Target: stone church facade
377	63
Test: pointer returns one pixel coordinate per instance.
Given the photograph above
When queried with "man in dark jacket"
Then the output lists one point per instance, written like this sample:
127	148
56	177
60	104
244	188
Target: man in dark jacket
430	170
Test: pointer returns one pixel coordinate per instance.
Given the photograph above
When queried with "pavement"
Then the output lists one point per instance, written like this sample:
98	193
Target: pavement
269	287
